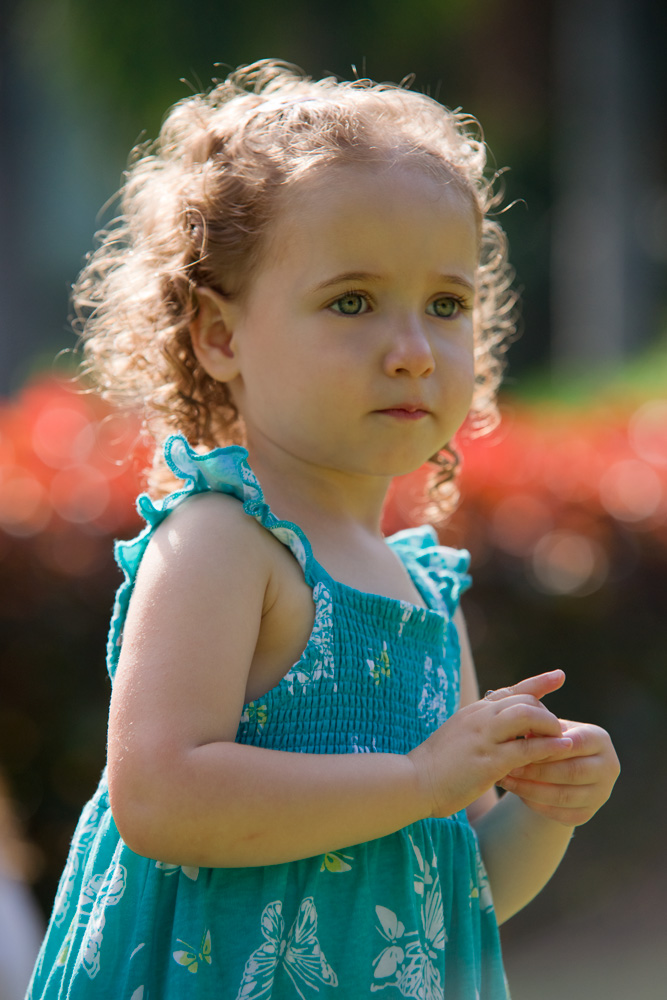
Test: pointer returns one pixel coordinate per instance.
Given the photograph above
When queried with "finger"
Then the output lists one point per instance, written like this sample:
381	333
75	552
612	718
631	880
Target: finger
541	793
538	686
567	817
588	739
570	771
516	753
516	718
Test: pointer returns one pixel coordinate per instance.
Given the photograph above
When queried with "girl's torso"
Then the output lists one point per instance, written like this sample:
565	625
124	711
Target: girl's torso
410	913
288	613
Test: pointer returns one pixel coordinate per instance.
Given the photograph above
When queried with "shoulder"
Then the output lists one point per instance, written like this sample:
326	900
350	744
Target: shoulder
201	586
210	529
208	548
213	513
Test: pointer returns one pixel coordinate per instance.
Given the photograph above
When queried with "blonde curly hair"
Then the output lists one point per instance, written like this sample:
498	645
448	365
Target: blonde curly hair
196	207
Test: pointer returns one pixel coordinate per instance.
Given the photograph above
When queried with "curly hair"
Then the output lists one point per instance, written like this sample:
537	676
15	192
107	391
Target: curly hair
196	208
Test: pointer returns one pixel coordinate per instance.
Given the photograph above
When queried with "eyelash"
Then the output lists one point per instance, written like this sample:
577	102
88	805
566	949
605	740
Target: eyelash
461	304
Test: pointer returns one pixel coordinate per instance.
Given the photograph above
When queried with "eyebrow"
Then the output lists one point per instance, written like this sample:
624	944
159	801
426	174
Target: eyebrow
350	276
457	279
347	276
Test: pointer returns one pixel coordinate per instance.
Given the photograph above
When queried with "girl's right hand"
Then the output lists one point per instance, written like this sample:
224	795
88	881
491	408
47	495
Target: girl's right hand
484	741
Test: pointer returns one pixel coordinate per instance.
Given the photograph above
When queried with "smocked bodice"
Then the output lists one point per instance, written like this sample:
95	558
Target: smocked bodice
377	674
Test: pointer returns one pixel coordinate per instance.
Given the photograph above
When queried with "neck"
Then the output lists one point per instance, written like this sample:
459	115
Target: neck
340	514
314	496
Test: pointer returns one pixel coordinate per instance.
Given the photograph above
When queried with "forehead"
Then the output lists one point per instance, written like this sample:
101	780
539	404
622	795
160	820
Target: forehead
371	217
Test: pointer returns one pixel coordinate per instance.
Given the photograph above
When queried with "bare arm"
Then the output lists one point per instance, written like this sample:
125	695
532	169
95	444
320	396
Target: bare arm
183	791
521	852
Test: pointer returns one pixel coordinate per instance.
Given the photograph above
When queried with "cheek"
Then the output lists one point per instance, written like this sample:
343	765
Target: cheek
459	384
457	354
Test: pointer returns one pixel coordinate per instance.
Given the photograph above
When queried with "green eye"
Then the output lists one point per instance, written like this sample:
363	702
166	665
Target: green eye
445	307
350	305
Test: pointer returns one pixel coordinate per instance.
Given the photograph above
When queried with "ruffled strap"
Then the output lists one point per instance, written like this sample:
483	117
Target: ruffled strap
223	470
441	571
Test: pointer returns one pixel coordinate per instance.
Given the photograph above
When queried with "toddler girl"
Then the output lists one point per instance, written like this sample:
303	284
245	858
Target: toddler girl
300	768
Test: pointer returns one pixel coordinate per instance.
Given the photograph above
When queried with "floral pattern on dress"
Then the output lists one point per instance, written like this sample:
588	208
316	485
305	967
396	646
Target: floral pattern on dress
298	952
409	611
433	707
188	870
336	861
98	893
357	746
256	715
406	615
321	663
411	959
86	830
140	993
251	487
380	667
482	891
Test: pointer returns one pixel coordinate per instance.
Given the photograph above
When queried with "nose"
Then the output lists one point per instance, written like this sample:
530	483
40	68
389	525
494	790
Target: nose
409	352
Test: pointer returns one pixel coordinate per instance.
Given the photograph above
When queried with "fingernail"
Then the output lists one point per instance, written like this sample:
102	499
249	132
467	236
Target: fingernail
565	741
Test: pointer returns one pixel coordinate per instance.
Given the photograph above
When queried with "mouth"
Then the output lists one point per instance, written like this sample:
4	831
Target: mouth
406	411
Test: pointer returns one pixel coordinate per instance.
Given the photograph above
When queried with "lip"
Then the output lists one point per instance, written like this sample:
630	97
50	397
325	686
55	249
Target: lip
406	411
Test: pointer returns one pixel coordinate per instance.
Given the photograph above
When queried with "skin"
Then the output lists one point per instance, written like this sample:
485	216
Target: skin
343	382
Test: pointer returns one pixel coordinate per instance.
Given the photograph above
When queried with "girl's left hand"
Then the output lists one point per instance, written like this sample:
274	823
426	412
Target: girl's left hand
572	789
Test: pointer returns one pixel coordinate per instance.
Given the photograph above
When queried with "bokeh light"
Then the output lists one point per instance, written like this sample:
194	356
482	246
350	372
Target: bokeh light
80	493
24	507
62	435
69	473
631	490
518	521
566	562
647	431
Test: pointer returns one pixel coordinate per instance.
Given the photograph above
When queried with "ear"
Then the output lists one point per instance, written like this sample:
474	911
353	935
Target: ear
212	334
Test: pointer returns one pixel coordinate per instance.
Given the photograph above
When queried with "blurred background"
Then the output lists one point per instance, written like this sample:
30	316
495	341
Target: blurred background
565	505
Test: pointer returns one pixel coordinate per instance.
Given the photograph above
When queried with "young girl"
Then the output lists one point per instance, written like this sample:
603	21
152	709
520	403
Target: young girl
300	768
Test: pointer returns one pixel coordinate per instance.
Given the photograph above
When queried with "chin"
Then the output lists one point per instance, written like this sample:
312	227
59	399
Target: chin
399	467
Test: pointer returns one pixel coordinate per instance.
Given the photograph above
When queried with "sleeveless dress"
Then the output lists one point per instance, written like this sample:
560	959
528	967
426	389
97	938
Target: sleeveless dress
407	915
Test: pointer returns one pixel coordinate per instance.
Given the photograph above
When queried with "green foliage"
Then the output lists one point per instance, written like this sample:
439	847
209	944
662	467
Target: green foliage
130	55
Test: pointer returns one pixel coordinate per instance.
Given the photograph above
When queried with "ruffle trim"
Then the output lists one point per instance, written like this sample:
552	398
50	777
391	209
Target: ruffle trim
442	571
223	470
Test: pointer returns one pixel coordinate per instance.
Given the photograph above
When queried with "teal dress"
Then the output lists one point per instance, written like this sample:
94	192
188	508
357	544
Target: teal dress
408	915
